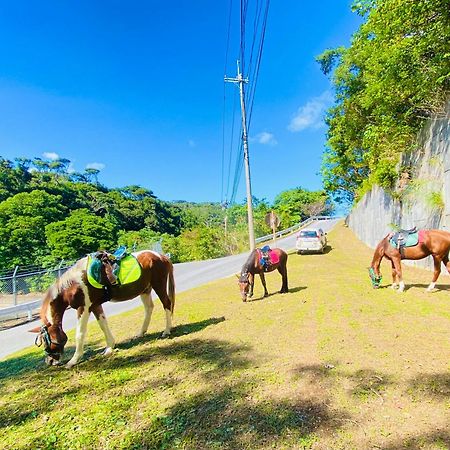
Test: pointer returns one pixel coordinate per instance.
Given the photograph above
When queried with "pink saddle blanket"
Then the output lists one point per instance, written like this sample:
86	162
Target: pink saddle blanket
273	256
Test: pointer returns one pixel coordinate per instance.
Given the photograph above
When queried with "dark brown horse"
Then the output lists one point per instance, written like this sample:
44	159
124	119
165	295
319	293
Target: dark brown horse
431	242
72	290
277	259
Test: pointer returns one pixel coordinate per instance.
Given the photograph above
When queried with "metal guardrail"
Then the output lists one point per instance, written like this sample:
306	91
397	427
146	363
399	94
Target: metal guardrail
13	312
296	227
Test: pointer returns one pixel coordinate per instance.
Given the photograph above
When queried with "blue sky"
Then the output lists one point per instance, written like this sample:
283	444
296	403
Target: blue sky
136	89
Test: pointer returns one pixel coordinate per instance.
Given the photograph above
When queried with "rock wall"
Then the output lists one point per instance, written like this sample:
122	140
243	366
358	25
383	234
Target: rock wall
423	201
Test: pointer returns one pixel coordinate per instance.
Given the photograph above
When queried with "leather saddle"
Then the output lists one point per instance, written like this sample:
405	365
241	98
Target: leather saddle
405	238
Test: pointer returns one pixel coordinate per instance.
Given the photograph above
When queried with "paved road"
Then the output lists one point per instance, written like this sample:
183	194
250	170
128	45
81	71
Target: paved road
187	276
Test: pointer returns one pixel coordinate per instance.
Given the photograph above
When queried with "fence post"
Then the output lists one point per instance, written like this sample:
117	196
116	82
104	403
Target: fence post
14	285
59	268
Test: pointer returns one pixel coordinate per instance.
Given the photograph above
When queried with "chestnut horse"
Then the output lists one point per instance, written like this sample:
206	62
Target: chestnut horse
72	290
253	266
431	242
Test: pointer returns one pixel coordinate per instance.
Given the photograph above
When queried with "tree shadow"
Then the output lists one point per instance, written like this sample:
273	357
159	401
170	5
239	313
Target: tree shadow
46	388
433	385
227	418
364	383
436	438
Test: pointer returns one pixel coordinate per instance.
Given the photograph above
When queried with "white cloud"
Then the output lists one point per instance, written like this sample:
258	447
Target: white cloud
192	143
71	168
265	138
311	114
95	165
51	155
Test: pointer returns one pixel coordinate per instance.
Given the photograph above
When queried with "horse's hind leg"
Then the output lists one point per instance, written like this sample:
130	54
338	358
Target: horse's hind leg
263	281
437	272
395	280
147	301
284	278
103	324
161	291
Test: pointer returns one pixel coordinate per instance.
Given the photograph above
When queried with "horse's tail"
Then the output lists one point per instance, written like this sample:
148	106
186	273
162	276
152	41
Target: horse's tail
171	283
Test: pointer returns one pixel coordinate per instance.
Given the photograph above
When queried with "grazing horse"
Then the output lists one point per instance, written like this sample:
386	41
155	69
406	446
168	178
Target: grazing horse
431	242
253	266
73	290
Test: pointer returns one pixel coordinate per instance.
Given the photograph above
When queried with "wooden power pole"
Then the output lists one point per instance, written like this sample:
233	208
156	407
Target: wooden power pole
241	80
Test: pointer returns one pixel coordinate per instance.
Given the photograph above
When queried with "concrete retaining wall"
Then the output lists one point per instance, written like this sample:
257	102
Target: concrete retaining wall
423	202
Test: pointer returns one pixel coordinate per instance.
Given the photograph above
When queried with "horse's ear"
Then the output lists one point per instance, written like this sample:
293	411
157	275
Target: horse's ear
35	330
237	276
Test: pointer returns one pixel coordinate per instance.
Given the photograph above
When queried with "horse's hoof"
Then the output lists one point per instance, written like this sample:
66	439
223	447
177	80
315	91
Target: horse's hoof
165	335
107	352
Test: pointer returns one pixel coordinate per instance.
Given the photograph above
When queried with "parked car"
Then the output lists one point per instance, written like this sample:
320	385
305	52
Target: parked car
311	240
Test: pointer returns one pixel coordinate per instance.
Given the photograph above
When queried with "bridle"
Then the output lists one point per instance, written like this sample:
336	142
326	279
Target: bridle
44	338
376	279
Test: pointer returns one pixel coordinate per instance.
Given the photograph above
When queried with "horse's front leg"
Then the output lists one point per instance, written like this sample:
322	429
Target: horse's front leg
251	284
83	316
263	281
398	268
437	272
103	324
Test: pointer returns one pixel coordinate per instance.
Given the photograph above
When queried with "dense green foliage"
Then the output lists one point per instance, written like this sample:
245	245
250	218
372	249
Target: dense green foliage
48	214
394	75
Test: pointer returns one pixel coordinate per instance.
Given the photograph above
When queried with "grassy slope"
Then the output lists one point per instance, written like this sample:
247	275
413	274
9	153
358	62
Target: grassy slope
333	364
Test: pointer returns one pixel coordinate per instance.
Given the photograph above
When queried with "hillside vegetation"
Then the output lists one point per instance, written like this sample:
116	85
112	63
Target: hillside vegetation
333	364
394	75
48	213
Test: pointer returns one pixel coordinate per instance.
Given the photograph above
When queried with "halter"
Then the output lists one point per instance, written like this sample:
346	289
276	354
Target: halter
376	279
44	337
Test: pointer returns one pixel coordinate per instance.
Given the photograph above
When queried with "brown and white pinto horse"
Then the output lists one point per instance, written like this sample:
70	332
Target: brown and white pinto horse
72	290
431	242
252	266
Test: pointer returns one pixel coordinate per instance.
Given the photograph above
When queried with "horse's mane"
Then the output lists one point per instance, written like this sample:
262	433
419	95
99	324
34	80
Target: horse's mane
249	262
70	276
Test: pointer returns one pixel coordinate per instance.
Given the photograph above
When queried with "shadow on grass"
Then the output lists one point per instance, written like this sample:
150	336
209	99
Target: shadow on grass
11	368
364	383
436	385
436	438
46	390
291	291
439	287
227	417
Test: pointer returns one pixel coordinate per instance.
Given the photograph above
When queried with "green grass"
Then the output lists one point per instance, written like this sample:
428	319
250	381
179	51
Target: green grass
333	364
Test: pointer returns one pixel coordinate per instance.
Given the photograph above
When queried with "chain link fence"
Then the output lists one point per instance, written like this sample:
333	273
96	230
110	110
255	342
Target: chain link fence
22	288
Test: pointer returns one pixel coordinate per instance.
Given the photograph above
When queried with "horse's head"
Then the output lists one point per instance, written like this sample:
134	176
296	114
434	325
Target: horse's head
244	284
374	278
64	293
53	339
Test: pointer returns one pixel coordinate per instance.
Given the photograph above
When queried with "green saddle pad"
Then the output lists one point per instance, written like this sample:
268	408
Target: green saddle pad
129	270
410	241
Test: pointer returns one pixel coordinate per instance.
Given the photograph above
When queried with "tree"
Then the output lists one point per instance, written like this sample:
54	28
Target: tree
393	76
23	218
295	205
79	234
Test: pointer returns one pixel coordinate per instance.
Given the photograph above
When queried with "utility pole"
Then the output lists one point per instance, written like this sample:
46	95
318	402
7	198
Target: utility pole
241	80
